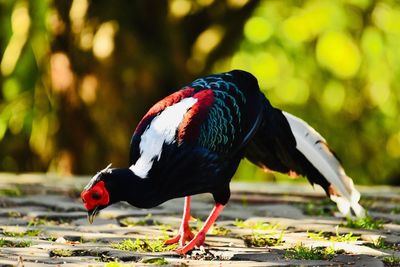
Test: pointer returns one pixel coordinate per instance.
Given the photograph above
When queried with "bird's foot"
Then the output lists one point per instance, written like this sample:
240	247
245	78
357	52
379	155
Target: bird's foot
197	241
183	235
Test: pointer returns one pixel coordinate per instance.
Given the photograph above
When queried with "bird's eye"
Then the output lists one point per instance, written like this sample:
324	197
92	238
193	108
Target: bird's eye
96	196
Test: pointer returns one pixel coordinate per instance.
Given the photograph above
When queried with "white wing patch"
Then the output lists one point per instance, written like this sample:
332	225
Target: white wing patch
162	130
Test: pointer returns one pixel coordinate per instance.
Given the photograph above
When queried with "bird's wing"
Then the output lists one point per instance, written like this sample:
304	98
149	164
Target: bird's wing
150	115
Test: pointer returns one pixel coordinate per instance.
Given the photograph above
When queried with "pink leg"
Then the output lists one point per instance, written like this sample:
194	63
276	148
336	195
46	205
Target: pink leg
184	233
199	238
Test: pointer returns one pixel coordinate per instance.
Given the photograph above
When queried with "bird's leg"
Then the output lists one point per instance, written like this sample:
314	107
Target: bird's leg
199	238
184	233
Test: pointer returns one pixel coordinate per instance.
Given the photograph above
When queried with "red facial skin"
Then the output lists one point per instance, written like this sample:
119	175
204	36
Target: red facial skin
95	196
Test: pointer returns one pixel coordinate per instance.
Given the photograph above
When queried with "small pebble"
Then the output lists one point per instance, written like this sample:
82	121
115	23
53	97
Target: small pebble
61	240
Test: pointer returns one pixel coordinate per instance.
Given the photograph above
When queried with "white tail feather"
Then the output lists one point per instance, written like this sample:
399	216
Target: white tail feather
313	146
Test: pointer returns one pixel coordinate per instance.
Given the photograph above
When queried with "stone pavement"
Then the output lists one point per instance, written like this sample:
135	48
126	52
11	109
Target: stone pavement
43	223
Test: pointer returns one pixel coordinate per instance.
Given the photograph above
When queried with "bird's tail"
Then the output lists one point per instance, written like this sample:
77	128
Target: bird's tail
288	144
314	147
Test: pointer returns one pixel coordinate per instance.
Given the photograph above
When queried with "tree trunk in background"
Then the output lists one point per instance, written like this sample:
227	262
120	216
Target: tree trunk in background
149	61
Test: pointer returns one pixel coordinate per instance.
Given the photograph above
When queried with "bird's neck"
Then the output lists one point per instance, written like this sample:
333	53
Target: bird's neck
137	191
126	186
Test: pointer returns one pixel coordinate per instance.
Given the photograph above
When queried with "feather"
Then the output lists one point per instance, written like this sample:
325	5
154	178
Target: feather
313	146
96	178
162	130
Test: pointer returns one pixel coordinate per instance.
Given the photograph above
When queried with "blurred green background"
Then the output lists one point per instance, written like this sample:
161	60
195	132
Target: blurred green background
77	75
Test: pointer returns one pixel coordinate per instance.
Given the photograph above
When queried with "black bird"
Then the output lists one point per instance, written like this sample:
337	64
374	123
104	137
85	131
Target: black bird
192	141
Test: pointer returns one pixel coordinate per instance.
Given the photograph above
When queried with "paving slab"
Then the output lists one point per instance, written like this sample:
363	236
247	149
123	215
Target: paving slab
43	223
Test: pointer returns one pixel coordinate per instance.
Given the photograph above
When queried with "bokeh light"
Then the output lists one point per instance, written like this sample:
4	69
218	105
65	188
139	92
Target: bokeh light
76	76
338	53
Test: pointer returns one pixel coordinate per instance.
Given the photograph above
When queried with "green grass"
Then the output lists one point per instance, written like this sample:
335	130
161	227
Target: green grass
367	223
323	207
165	227
10	192
51	238
220	231
301	252
37	221
345	238
155	261
395	210
19	244
14	214
380	243
23	244
61	253
391	261
140	245
321	235
349	237
128	222
29	232
367	202
262	240
257	225
43	221
145	221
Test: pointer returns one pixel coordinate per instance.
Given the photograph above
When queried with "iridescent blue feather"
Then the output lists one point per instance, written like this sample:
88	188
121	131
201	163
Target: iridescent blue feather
218	133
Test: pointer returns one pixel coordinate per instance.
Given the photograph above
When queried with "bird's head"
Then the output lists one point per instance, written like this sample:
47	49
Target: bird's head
96	194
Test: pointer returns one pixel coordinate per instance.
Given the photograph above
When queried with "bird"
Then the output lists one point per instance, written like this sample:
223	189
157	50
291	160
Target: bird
192	141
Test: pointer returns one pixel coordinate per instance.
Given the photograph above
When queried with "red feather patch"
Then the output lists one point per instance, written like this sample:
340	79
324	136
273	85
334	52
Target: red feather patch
96	196
189	128
161	105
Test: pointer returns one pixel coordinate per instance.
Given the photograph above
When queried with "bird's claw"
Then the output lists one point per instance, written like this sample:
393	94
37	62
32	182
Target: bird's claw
197	241
173	240
183	250
183	235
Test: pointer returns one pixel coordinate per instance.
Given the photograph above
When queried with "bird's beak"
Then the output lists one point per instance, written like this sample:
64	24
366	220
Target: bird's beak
92	214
